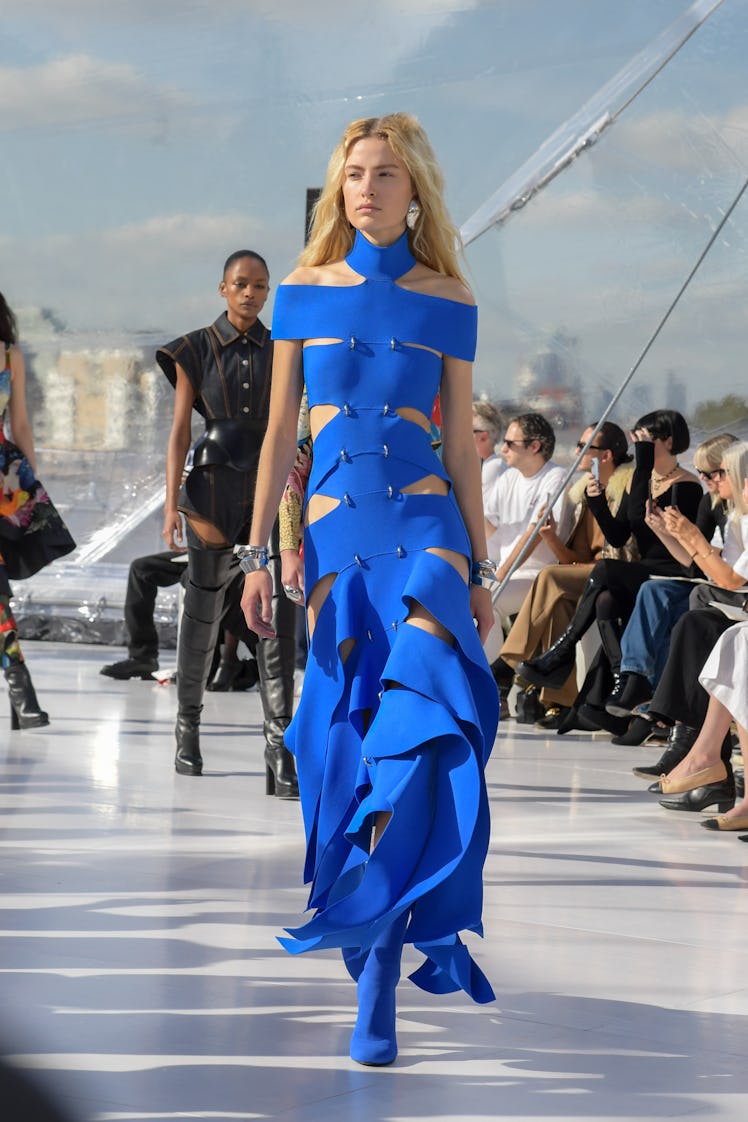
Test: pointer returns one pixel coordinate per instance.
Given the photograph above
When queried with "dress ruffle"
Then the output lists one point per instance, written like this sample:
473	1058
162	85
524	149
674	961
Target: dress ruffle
411	721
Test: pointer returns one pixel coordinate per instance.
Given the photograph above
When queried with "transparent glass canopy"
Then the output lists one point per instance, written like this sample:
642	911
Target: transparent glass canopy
144	143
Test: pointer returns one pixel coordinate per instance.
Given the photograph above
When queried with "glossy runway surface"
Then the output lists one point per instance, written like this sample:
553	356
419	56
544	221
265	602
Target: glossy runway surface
140	974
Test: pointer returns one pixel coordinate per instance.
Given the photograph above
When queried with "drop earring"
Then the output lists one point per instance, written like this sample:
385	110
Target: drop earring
414	213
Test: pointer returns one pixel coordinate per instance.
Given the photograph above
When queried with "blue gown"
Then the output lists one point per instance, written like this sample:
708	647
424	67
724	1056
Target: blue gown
406	721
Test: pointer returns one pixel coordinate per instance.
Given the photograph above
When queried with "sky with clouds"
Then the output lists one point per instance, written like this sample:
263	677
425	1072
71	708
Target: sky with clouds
144	141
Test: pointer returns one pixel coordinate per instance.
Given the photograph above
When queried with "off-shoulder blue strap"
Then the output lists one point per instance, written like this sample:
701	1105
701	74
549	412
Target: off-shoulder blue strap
331	312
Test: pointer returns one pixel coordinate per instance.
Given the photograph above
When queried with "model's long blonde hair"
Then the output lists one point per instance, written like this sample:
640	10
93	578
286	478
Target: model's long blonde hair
434	240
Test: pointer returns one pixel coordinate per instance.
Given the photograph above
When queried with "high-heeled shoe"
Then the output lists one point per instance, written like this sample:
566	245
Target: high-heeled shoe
642	730
715	773
722	822
280	773
374	1040
709	787
188	760
25	711
601	719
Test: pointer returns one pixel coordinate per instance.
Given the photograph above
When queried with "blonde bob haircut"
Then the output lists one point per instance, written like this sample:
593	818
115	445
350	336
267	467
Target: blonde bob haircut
735	463
708	455
434	241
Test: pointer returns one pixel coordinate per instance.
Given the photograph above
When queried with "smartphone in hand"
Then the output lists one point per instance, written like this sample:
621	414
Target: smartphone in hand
595	469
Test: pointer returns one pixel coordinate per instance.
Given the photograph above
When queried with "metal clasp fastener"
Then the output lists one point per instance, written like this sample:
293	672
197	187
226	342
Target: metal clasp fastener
400	551
390	491
393	343
344	455
347	499
346	409
386	451
358	560
352	342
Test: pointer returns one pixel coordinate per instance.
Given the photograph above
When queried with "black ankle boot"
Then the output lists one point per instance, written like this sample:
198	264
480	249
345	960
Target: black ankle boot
552	668
679	744
280	773
188	760
629	691
25	712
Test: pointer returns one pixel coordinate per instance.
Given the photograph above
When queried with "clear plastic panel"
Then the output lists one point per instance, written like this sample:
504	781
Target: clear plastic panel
573	286
150	141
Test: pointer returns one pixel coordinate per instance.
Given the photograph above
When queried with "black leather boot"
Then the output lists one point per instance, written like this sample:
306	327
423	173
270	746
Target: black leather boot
276	660
679	743
552	668
210	571
25	712
629	691
188	760
276	694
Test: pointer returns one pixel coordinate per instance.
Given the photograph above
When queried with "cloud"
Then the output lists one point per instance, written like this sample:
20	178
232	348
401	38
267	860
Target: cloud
677	141
80	90
162	272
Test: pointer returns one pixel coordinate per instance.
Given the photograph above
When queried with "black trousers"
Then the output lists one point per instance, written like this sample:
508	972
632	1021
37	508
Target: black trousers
146	576
679	696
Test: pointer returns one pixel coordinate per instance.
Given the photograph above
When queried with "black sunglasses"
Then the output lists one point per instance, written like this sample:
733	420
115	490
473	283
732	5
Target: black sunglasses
595	447
513	443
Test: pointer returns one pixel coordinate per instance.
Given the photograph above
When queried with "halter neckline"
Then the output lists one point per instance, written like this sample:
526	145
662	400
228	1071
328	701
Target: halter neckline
381	262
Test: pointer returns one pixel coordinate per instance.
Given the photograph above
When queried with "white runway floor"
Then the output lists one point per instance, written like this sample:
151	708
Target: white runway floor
139	970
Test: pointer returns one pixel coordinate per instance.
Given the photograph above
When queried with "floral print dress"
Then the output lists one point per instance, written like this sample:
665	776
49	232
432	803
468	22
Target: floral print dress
31	531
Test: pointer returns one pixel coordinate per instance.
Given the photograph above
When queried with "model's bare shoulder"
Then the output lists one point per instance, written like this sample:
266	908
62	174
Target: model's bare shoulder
428	281
316	275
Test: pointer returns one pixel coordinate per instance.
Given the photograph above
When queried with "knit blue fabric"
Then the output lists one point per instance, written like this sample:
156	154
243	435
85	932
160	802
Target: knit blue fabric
404	723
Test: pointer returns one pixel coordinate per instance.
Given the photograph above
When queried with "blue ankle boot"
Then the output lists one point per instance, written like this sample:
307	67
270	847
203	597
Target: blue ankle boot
373	1041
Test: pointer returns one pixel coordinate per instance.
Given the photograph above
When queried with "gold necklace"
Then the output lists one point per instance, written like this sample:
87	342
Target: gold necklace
668	474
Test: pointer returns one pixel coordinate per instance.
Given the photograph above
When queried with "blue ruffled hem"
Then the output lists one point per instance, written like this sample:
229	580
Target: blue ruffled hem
412	722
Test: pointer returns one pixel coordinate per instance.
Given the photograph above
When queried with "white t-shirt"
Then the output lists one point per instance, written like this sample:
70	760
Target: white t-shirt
735	552
491	468
511	504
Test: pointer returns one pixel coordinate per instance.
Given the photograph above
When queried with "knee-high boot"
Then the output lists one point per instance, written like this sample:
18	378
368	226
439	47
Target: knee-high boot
374	1041
25	710
276	661
209	573
553	668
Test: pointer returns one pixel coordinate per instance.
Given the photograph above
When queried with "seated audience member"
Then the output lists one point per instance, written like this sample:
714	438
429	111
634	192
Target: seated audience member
704	776
679	701
724	677
610	592
162	570
144	578
487	428
661	603
513	505
550	603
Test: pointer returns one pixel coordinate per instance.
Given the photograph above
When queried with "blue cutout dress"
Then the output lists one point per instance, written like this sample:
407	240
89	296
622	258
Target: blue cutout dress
404	723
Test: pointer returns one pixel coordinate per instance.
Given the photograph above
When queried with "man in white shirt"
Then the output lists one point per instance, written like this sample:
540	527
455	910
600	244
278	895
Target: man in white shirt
513	505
